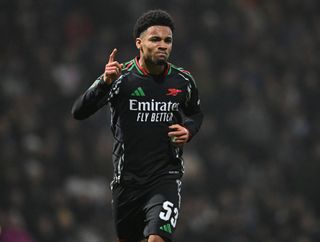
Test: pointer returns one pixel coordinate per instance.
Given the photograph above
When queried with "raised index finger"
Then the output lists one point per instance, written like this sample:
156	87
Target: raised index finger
112	55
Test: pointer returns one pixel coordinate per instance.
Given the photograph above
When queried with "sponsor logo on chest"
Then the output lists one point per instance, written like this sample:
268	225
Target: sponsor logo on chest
152	111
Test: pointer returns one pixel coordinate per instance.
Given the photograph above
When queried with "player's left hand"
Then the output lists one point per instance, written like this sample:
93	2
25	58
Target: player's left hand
179	135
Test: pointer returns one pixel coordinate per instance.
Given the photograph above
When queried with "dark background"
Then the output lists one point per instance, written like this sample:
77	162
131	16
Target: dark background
252	173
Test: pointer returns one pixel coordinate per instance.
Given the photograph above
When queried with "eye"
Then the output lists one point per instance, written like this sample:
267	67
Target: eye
154	39
168	40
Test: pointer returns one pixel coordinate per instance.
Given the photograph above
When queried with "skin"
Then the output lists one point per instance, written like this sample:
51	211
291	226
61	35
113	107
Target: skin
154	238
155	45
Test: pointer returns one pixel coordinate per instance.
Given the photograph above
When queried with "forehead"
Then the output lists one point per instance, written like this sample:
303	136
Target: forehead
158	30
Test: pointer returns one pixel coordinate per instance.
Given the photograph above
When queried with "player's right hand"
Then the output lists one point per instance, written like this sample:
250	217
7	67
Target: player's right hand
113	68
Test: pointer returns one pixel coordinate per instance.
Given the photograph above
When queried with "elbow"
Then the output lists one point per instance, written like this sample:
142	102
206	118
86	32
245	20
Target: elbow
76	114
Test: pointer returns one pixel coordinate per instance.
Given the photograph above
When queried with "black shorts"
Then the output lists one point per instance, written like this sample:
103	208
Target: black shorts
140	212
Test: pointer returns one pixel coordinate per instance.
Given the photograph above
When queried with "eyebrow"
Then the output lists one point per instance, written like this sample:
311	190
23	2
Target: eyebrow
157	36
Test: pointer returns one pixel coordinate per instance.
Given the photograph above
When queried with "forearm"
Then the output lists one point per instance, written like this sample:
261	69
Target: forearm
193	123
91	101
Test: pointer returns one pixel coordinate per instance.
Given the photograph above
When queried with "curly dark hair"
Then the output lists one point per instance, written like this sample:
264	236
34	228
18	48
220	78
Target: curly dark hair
151	18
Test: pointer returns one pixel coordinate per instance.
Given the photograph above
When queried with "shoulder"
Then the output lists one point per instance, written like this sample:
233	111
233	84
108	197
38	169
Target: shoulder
184	73
125	71
128	66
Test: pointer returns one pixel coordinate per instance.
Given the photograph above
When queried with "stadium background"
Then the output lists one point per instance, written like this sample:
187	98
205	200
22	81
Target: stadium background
252	173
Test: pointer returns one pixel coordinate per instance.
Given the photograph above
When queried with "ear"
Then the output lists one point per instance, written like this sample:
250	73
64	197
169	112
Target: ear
138	43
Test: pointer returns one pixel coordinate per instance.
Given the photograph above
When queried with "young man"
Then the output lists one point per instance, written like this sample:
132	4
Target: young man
155	110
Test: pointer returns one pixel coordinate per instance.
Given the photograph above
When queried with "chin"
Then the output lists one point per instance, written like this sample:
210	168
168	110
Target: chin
161	62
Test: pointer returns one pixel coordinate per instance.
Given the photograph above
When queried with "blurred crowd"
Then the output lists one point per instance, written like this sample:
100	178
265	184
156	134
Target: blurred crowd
252	173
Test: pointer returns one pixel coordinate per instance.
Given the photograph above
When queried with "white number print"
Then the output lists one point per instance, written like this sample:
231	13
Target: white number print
175	218
166	215
167	206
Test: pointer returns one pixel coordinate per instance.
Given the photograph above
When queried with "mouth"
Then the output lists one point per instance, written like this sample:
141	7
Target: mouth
161	55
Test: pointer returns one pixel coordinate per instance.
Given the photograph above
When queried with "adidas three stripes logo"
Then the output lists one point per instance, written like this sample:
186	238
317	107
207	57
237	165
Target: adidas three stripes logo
167	228
138	92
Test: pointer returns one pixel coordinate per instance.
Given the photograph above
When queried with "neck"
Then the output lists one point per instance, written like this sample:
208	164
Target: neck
151	68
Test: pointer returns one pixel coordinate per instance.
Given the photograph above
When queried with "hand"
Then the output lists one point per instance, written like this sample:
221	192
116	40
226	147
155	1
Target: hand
113	69
179	134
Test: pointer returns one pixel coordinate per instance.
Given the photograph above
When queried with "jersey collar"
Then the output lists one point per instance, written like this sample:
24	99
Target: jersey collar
144	72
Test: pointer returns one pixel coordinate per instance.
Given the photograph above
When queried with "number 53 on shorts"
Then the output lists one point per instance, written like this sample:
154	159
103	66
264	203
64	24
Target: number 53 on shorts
169	212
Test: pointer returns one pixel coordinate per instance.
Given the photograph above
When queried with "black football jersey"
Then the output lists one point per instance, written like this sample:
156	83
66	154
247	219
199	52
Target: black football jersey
142	107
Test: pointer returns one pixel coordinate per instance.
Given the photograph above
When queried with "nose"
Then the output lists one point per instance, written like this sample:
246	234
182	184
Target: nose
163	45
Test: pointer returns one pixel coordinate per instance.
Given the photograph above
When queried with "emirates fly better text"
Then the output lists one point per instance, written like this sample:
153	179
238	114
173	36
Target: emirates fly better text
153	111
